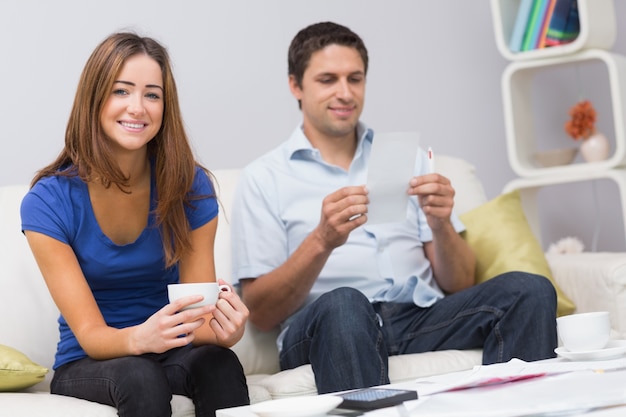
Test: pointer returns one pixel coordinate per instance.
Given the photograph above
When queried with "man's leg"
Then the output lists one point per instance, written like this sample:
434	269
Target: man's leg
339	335
510	316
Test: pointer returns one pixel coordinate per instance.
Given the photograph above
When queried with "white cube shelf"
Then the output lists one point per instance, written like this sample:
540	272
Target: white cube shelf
529	188
597	29
518	111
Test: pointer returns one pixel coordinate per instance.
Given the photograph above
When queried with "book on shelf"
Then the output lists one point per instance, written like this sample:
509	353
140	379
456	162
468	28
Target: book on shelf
538	25
541	42
531	25
564	24
543	23
519	28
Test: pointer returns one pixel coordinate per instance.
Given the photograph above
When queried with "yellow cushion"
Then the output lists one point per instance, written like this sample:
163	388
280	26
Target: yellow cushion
502	240
17	371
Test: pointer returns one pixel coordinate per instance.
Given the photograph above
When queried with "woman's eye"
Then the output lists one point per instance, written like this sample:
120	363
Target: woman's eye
120	92
153	96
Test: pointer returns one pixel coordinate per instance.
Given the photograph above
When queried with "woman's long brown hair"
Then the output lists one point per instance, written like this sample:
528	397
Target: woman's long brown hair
87	151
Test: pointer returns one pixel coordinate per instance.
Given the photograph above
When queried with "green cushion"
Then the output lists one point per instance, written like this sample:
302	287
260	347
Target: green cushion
502	241
17	372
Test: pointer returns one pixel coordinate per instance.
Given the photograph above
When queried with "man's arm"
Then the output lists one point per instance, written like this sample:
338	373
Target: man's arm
452	260
273	297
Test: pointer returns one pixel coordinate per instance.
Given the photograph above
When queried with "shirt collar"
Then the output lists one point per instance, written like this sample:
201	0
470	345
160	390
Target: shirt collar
299	147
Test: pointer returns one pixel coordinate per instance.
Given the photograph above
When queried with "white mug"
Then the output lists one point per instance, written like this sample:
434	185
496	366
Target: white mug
584	331
209	290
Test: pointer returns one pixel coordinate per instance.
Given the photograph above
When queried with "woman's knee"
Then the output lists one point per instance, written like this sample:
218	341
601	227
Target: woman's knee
209	359
144	377
135	385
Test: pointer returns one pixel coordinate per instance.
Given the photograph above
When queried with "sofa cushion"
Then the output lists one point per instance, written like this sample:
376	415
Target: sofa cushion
51	405
502	240
17	371
402	368
595	281
29	316
462	175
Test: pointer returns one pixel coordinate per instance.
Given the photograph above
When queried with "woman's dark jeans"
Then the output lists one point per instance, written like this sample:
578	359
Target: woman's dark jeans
140	386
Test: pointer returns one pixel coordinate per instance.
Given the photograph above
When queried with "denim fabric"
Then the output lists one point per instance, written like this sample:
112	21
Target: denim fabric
140	386
510	316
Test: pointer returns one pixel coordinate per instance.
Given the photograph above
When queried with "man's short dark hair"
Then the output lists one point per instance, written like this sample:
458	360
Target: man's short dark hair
316	37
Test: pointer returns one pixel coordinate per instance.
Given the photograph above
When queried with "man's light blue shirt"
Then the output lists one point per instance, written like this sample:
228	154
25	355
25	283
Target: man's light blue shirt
279	201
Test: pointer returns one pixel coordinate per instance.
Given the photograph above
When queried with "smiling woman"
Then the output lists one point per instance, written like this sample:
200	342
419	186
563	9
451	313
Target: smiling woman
122	212
133	113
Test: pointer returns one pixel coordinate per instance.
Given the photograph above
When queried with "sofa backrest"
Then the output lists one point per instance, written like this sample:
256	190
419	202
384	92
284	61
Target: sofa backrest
469	194
28	316
257	350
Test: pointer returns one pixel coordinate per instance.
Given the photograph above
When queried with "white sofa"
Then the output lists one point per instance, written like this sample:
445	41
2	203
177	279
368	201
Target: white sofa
595	281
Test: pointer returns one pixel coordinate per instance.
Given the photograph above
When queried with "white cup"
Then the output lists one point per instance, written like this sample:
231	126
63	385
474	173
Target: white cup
209	290
584	331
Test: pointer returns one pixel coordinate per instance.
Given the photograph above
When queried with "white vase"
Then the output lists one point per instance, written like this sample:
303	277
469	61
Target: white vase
595	148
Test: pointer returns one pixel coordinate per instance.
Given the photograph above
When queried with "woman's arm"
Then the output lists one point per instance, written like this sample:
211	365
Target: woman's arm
226	323
73	297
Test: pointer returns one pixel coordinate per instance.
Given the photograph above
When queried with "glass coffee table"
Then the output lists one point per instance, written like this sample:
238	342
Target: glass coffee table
545	388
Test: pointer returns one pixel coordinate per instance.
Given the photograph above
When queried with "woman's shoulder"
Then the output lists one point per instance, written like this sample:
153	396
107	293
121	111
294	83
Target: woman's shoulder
58	184
202	182
57	190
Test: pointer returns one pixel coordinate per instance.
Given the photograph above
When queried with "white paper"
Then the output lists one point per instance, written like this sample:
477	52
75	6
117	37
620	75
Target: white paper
391	166
580	387
515	367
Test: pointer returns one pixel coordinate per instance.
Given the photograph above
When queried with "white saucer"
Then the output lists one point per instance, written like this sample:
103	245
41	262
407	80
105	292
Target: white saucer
614	349
296	406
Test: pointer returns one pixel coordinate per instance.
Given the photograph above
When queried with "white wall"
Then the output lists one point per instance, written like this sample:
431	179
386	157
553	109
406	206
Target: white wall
434	67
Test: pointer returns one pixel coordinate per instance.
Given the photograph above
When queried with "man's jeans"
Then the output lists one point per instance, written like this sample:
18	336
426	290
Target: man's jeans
347	340
140	386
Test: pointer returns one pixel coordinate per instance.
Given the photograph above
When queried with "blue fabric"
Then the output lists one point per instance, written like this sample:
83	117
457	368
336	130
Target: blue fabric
348	340
278	203
129	282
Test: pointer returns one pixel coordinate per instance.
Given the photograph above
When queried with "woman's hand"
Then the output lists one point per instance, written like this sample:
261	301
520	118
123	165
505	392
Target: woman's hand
230	315
170	327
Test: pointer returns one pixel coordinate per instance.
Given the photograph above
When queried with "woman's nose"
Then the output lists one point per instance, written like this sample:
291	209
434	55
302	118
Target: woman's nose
135	106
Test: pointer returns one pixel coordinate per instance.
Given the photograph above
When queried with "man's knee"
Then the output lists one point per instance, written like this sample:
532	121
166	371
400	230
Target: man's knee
346	310
533	287
344	298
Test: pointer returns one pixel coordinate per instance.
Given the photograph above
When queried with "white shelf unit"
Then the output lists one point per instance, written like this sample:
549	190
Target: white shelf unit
529	187
591	47
518	111
597	29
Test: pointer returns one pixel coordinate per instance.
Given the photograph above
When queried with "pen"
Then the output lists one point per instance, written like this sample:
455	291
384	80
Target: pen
431	160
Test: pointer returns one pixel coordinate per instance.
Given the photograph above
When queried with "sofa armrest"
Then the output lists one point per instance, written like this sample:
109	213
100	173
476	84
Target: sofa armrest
594	281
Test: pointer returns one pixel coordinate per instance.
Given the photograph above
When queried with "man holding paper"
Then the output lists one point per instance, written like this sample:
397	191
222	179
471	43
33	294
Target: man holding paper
348	292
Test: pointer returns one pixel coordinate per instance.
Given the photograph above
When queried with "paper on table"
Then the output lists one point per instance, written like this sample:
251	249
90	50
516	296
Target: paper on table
569	394
514	370
391	166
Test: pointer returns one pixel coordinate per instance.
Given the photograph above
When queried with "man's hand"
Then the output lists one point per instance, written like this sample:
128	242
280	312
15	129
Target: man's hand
342	212
436	198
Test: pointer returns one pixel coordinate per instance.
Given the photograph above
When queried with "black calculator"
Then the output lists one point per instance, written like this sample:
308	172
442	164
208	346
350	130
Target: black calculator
373	398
